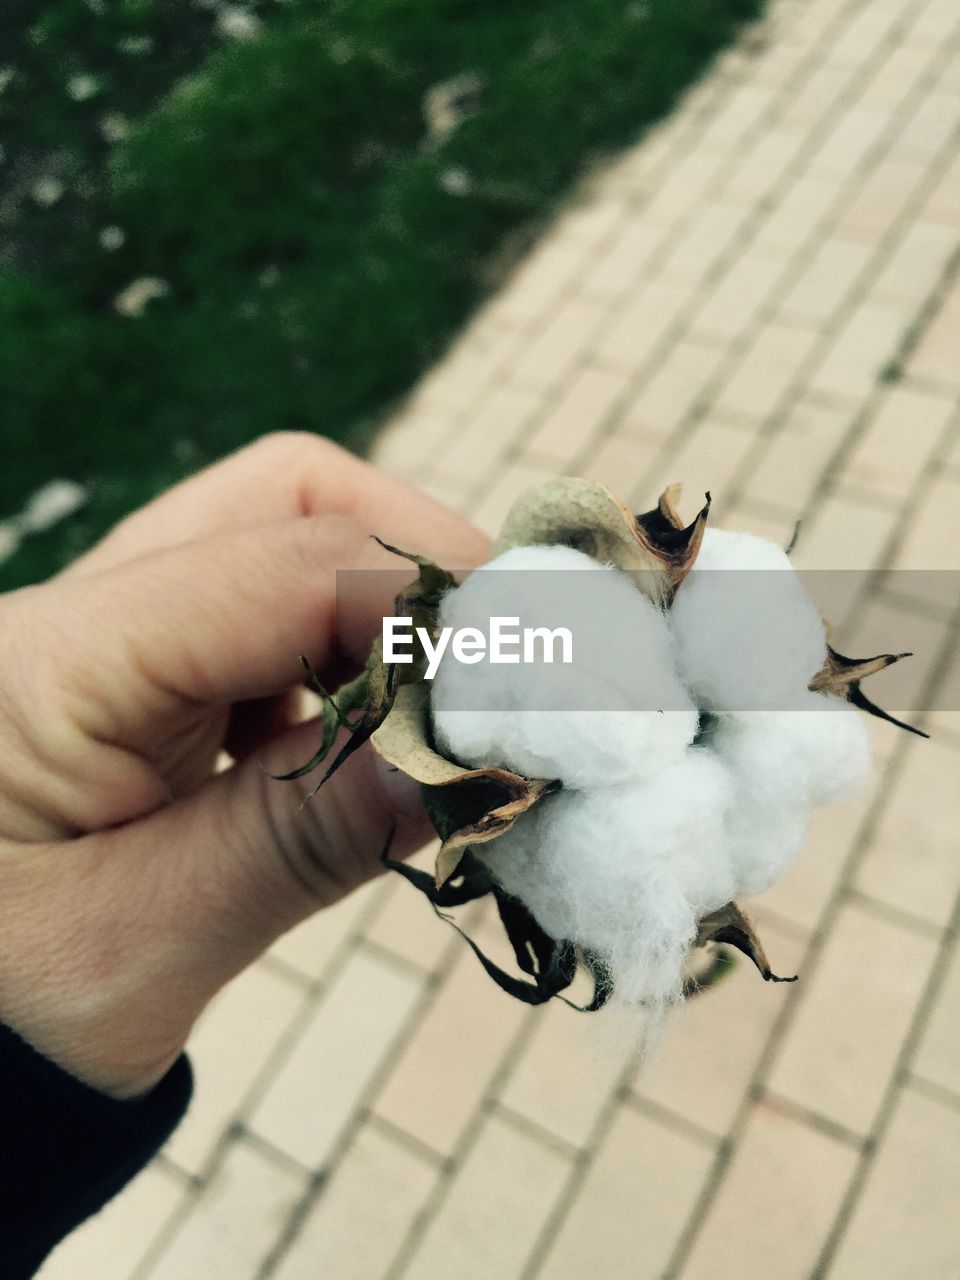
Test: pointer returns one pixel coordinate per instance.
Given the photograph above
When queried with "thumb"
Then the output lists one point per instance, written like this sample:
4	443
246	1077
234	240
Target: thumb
111	954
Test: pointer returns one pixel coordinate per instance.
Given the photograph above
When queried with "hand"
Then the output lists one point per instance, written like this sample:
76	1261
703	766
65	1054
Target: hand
135	881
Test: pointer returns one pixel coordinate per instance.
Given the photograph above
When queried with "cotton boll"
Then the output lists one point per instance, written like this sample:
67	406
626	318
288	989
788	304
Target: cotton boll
749	639
617	712
626	871
783	763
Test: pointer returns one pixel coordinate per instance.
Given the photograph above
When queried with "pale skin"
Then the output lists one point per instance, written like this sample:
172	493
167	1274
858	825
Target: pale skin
134	880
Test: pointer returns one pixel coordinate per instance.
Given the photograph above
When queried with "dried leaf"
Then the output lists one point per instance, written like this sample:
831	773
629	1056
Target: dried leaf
841	676
675	546
731	925
467	806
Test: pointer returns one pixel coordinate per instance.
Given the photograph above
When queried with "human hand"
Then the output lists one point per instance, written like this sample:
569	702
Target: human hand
134	881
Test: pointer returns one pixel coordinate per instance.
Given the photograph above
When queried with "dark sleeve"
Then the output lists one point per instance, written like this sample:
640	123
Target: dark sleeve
65	1148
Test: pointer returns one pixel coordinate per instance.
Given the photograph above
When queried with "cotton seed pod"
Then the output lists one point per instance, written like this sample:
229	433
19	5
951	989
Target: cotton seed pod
490	792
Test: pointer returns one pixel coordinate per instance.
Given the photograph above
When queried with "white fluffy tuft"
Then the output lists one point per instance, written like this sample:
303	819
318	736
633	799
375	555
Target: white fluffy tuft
748	636
617	713
657	824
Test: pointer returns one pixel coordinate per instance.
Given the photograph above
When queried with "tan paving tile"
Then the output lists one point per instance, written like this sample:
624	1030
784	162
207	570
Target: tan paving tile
943	204
861	351
563	1079
440	1079
564	338
685	184
898	75
405	923
311	946
934	22
918	262
229	1049
496	1207
708	235
591	218
763	164
793	462
501	493
854	1010
742	109
628	342
798	213
320	1086
577	414
937	1058
928	560
738	296
816	97
898	443
893	626
679	382
411	441
635	1200
845	533
767	370
929	127
913	861
776	1203
111	1245
620	462
860	39
234	1222
363	1214
903	1224
710	1049
880	200
856	132
473	445
615	272
935	356
826	281
534	290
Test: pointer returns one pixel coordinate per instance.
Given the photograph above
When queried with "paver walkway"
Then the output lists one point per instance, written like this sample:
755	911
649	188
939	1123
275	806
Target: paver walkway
761	299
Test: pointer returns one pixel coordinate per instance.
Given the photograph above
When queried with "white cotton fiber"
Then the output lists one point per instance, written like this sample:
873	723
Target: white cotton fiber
782	764
616	713
626	871
748	636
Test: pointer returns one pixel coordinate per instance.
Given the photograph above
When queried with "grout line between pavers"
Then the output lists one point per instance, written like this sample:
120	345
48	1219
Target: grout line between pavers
812	1118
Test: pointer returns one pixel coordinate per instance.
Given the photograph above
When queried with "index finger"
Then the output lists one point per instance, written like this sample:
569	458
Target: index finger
283	476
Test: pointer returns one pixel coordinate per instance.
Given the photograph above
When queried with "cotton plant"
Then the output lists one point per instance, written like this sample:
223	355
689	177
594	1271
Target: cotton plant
615	807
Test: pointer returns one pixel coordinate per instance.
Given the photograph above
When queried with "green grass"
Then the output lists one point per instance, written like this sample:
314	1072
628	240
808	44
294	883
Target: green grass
283	189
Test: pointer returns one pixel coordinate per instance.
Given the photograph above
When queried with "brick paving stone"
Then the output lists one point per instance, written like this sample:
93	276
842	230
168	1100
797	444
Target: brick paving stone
708	462
309	947
111	1245
674	389
776	1202
854	1011
917	263
234	1222
792	462
363	1214
880	200
737	297
534	290
700	246
564	1076
711	1047
826	281
861	351
937	1058
935	356
564	338
435	1086
909	863
636	1198
488	432
321	1084
496	1207
844	533
856	132
578	413
898	443
638	329
620	462
766	372
943	204
404	923
797	214
903	1224
229	1049
615	272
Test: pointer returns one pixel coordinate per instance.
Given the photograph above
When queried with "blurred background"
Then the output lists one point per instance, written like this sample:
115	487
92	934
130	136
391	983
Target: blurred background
715	242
